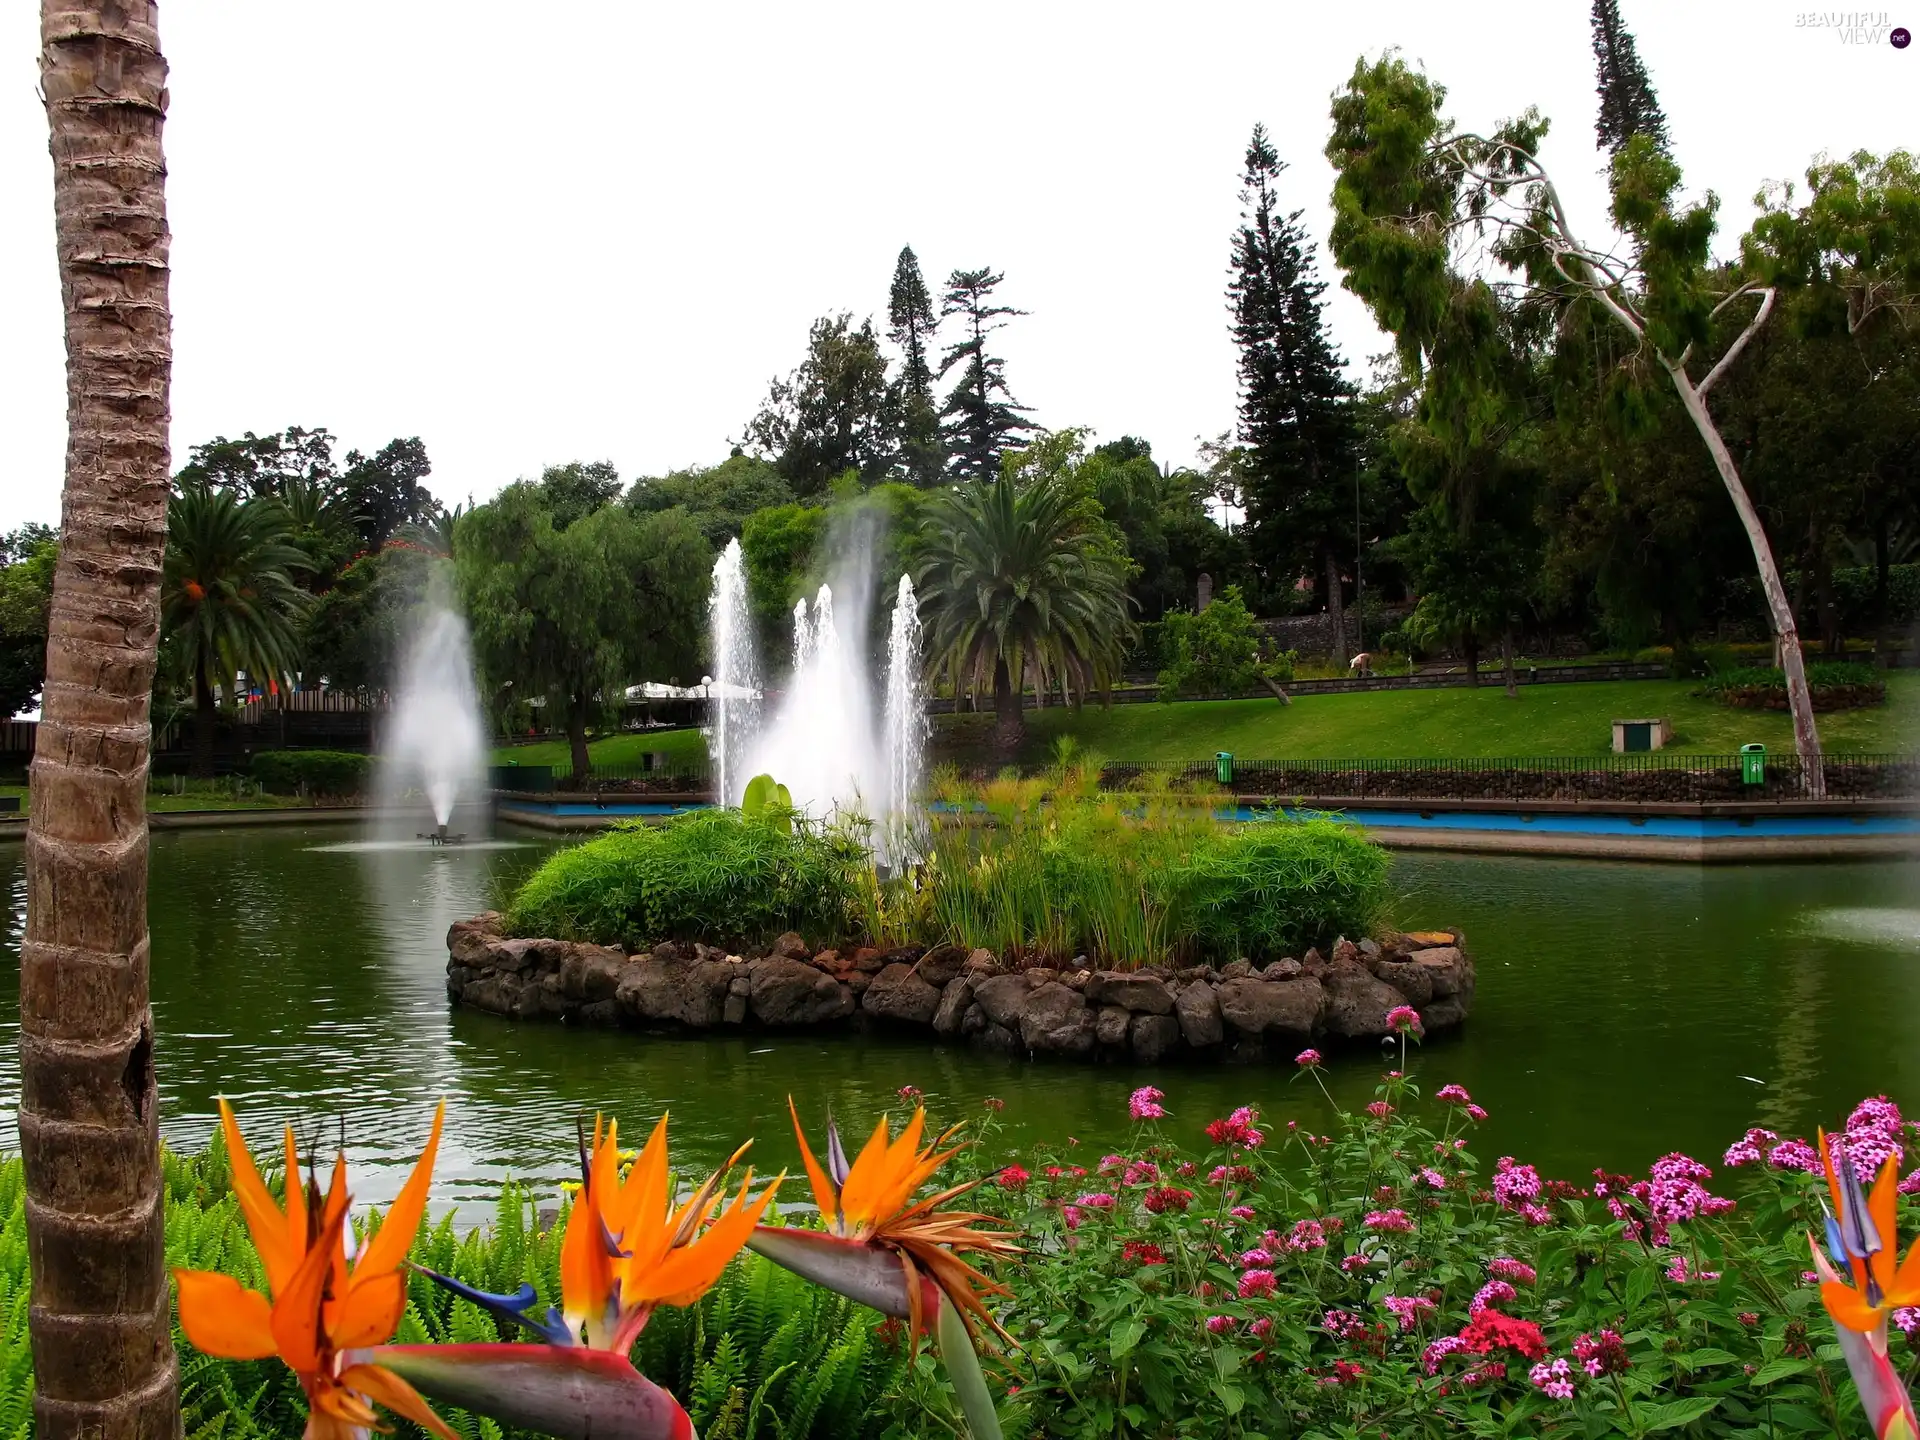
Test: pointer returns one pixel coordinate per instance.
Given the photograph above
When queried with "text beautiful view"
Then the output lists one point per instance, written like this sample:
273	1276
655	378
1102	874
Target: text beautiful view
1398	920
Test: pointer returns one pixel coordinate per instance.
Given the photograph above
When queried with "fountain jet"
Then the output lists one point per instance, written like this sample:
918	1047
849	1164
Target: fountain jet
434	740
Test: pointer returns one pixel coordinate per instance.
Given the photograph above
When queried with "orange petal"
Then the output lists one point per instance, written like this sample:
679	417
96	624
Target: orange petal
223	1318
1849	1308
387	1388
689	1272
1882	1205
266	1223
640	1214
388	1248
586	1276
298	1309
369	1313
296	1191
865	1177
824	1195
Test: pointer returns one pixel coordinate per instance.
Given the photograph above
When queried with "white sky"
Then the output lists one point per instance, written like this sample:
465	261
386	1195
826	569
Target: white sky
532	233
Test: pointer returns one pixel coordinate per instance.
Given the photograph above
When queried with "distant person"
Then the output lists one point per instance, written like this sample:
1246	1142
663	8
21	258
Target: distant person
1360	667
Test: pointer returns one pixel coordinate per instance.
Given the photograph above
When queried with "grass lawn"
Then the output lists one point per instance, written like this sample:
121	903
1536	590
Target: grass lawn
1567	719
681	747
163	802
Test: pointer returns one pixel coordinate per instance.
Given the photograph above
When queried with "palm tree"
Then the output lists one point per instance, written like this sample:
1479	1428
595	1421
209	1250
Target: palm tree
1023	577
102	1349
229	600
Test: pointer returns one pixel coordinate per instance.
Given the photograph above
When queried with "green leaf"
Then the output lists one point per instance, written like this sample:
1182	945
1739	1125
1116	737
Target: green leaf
1675	1413
1639	1286
1230	1396
1780	1368
963	1369
1697	1358
1124	1338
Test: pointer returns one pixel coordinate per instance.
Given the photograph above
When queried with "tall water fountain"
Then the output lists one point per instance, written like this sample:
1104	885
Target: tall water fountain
434	741
837	746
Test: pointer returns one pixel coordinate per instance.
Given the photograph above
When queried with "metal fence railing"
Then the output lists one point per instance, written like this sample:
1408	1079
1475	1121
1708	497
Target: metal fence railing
1648	777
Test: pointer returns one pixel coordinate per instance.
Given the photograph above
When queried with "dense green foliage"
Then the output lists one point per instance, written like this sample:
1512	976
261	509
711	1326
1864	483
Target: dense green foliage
831	416
27	558
981	418
357	630
911	325
713	875
718	498
1216	652
312	772
571	597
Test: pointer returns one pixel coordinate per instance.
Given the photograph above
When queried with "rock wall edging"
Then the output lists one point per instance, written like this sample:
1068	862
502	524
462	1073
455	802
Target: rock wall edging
1236	1013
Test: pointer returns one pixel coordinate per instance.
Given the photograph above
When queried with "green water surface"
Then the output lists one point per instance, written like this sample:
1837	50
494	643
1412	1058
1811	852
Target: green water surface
1624	1011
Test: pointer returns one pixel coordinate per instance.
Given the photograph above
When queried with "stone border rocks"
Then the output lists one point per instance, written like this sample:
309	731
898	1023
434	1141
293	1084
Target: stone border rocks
1237	1013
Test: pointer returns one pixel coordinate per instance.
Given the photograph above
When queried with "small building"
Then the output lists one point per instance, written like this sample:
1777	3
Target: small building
1630	736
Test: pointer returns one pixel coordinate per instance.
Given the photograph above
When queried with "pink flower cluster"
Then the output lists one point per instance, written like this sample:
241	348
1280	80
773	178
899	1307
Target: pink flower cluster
1492	1294
1229	1174
1255	1259
1140	1172
1750	1148
1220	1324
1345	1325
1873	1137
1907	1318
1514	1183
1516	1271
1307	1059
1394	1221
1255	1284
1237	1131
1553	1378
1404	1020
1675	1194
1602	1354
1144	1104
1432	1178
1379	1109
1014	1177
1409	1310
1680	1273
1306	1235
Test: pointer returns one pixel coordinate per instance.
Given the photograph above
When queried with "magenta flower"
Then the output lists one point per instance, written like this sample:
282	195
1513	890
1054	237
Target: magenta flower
1514	1183
1140	1172
1602	1354
1237	1131
1110	1163
1516	1271
1453	1095
1404	1020
1749	1149
1354	1262
1144	1104
1260	1328
994	1103
1475	1113
1095	1200
1394	1221
1307	1058
1220	1324
1409	1310
1306	1235
911	1094
1795	1155
1254	1259
1911	1185
1491	1296
1167	1197
1073	1215
1255	1284
1553	1378
1432	1178
1242	1212
1439	1350
1014	1177
1907	1318
1536	1215
1379	1109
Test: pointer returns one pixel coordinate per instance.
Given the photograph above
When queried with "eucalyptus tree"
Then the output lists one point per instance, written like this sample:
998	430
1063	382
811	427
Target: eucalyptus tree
100	1314
1415	201
1021	578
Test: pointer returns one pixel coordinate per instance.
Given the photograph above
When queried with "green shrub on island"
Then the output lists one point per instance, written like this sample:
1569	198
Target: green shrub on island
713	875
334	774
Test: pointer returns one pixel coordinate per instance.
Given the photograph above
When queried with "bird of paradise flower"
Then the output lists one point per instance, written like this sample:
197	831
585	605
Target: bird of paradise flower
1862	1241
901	1256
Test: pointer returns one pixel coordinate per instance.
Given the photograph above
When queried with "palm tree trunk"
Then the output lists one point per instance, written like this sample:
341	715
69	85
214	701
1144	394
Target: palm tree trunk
202	726
102	1350
1009	725
1336	610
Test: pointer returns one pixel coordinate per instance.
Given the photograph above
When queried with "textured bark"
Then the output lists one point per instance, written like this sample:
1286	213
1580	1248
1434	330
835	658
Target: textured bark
1786	634
577	738
1009	725
1336	610
103	1358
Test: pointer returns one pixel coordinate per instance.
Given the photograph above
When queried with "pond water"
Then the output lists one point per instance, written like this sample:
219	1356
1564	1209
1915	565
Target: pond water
1623	1011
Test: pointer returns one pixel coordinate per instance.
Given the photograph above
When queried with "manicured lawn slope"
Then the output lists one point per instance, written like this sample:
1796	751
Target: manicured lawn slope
1568	719
681	747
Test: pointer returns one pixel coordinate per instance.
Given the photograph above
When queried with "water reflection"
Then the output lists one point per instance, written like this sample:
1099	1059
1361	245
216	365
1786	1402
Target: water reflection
1624	1010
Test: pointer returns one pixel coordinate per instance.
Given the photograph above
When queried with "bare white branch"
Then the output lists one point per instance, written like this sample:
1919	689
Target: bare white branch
1753	326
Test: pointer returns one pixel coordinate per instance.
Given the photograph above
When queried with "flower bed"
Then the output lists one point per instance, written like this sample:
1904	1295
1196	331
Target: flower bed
1833	685
1235	1013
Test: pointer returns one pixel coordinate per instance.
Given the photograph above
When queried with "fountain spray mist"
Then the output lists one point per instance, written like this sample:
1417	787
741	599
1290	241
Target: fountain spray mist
834	743
433	740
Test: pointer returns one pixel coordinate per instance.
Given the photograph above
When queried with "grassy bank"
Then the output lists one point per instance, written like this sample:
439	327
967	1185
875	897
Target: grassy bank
1574	719
681	747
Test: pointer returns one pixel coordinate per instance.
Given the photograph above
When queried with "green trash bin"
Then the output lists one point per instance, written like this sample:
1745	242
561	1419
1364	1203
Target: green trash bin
1223	766
1753	764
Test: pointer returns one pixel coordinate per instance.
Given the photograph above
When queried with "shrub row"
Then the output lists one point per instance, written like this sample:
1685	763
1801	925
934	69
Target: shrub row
333	773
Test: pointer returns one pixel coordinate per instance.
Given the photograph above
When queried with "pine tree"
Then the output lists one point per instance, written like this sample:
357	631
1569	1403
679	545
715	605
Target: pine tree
912	324
1628	106
1296	407
980	415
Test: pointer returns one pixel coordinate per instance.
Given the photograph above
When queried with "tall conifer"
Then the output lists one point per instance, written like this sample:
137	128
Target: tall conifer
911	326
980	415
1628	106
1296	407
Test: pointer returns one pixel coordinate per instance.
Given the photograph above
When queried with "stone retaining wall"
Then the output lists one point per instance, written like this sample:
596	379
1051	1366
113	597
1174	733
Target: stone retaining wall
1235	1013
